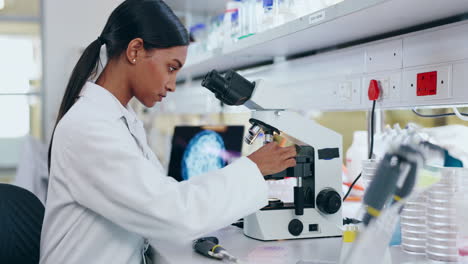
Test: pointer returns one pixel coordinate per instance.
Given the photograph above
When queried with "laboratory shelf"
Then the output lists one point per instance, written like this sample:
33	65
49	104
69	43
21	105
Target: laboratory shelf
349	22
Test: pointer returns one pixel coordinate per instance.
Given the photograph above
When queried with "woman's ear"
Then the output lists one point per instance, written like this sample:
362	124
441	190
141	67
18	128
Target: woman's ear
135	50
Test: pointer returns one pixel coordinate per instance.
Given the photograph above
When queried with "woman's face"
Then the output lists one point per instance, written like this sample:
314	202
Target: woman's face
155	73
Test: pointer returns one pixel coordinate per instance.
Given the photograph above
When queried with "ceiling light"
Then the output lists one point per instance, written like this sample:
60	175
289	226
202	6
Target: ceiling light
2	4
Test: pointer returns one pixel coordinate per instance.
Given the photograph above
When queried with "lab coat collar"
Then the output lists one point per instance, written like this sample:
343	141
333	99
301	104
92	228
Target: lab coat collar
108	102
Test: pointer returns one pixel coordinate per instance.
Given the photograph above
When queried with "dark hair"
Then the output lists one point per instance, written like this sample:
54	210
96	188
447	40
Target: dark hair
151	20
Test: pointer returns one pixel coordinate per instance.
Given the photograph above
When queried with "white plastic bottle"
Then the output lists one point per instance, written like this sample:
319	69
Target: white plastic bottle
286	11
235	26
235	9
248	20
356	153
301	7
314	6
269	19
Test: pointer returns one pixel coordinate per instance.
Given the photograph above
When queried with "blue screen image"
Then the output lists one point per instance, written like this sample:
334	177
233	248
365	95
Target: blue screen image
198	150
203	154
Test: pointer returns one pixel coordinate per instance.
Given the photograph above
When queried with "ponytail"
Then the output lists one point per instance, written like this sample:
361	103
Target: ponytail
85	69
151	20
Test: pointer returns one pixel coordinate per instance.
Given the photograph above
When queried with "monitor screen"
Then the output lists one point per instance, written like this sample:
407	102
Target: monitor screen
197	150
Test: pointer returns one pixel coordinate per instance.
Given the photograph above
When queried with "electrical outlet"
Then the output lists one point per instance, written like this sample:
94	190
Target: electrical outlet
428	83
345	91
389	84
384	85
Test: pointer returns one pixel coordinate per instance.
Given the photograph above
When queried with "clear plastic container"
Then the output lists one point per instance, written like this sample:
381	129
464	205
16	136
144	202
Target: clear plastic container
200	35
286	11
412	227
418	213
447	217
235	25
414	241
314	6
227	27
232	21
301	7
413	234
412	249
216	33
369	169
442	233
413	224
248	20
268	16
461	205
356	154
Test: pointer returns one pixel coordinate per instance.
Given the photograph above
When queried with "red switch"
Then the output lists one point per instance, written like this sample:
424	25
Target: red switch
374	90
427	84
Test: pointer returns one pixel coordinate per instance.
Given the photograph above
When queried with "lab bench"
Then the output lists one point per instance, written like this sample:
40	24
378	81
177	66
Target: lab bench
250	251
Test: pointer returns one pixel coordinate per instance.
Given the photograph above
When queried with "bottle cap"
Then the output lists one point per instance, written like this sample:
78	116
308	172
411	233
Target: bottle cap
350	234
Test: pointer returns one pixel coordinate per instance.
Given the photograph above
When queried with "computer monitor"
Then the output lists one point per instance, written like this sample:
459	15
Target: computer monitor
201	149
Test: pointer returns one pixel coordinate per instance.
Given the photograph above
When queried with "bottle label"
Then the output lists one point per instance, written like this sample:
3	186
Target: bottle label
316	17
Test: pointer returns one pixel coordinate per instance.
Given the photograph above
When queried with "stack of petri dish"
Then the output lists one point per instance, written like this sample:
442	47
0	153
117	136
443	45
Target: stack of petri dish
442	230
461	206
369	169
413	225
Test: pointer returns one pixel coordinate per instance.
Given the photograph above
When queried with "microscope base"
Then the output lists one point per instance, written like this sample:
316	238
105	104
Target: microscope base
282	224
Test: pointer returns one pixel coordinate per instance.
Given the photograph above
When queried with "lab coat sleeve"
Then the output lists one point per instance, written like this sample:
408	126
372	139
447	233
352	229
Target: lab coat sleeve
109	175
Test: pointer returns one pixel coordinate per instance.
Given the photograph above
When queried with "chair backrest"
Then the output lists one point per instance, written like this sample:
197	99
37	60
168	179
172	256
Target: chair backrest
21	217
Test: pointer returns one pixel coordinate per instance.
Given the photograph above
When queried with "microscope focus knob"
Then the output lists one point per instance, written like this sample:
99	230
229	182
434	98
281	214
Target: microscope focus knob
328	201
295	227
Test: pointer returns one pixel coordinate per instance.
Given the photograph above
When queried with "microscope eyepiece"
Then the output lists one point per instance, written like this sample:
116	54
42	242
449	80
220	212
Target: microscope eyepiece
214	82
231	89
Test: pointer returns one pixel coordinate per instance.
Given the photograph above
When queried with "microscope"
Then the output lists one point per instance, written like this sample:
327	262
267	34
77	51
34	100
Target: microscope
316	210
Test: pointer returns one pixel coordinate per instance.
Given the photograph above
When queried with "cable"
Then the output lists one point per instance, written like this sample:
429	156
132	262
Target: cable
239	223
462	116
351	186
348	221
371	150
438	115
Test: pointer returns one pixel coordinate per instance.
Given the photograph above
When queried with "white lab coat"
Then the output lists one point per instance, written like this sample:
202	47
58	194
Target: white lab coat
108	194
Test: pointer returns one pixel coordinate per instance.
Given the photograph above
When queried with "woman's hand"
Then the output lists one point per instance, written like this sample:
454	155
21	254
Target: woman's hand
271	158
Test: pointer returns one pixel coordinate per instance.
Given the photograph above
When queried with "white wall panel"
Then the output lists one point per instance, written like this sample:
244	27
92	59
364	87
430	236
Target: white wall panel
384	56
69	26
447	44
460	82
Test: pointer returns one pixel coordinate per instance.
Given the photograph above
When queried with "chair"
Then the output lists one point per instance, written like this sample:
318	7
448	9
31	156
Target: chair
21	217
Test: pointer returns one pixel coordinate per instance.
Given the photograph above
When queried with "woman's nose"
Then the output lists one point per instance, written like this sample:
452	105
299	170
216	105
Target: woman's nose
171	88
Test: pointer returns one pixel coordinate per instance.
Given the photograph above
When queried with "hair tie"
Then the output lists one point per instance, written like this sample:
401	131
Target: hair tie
101	40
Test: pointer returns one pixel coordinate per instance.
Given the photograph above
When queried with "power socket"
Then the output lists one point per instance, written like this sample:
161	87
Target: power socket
390	84
428	83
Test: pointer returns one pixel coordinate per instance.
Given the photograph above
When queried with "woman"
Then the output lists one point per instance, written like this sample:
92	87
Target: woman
109	198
